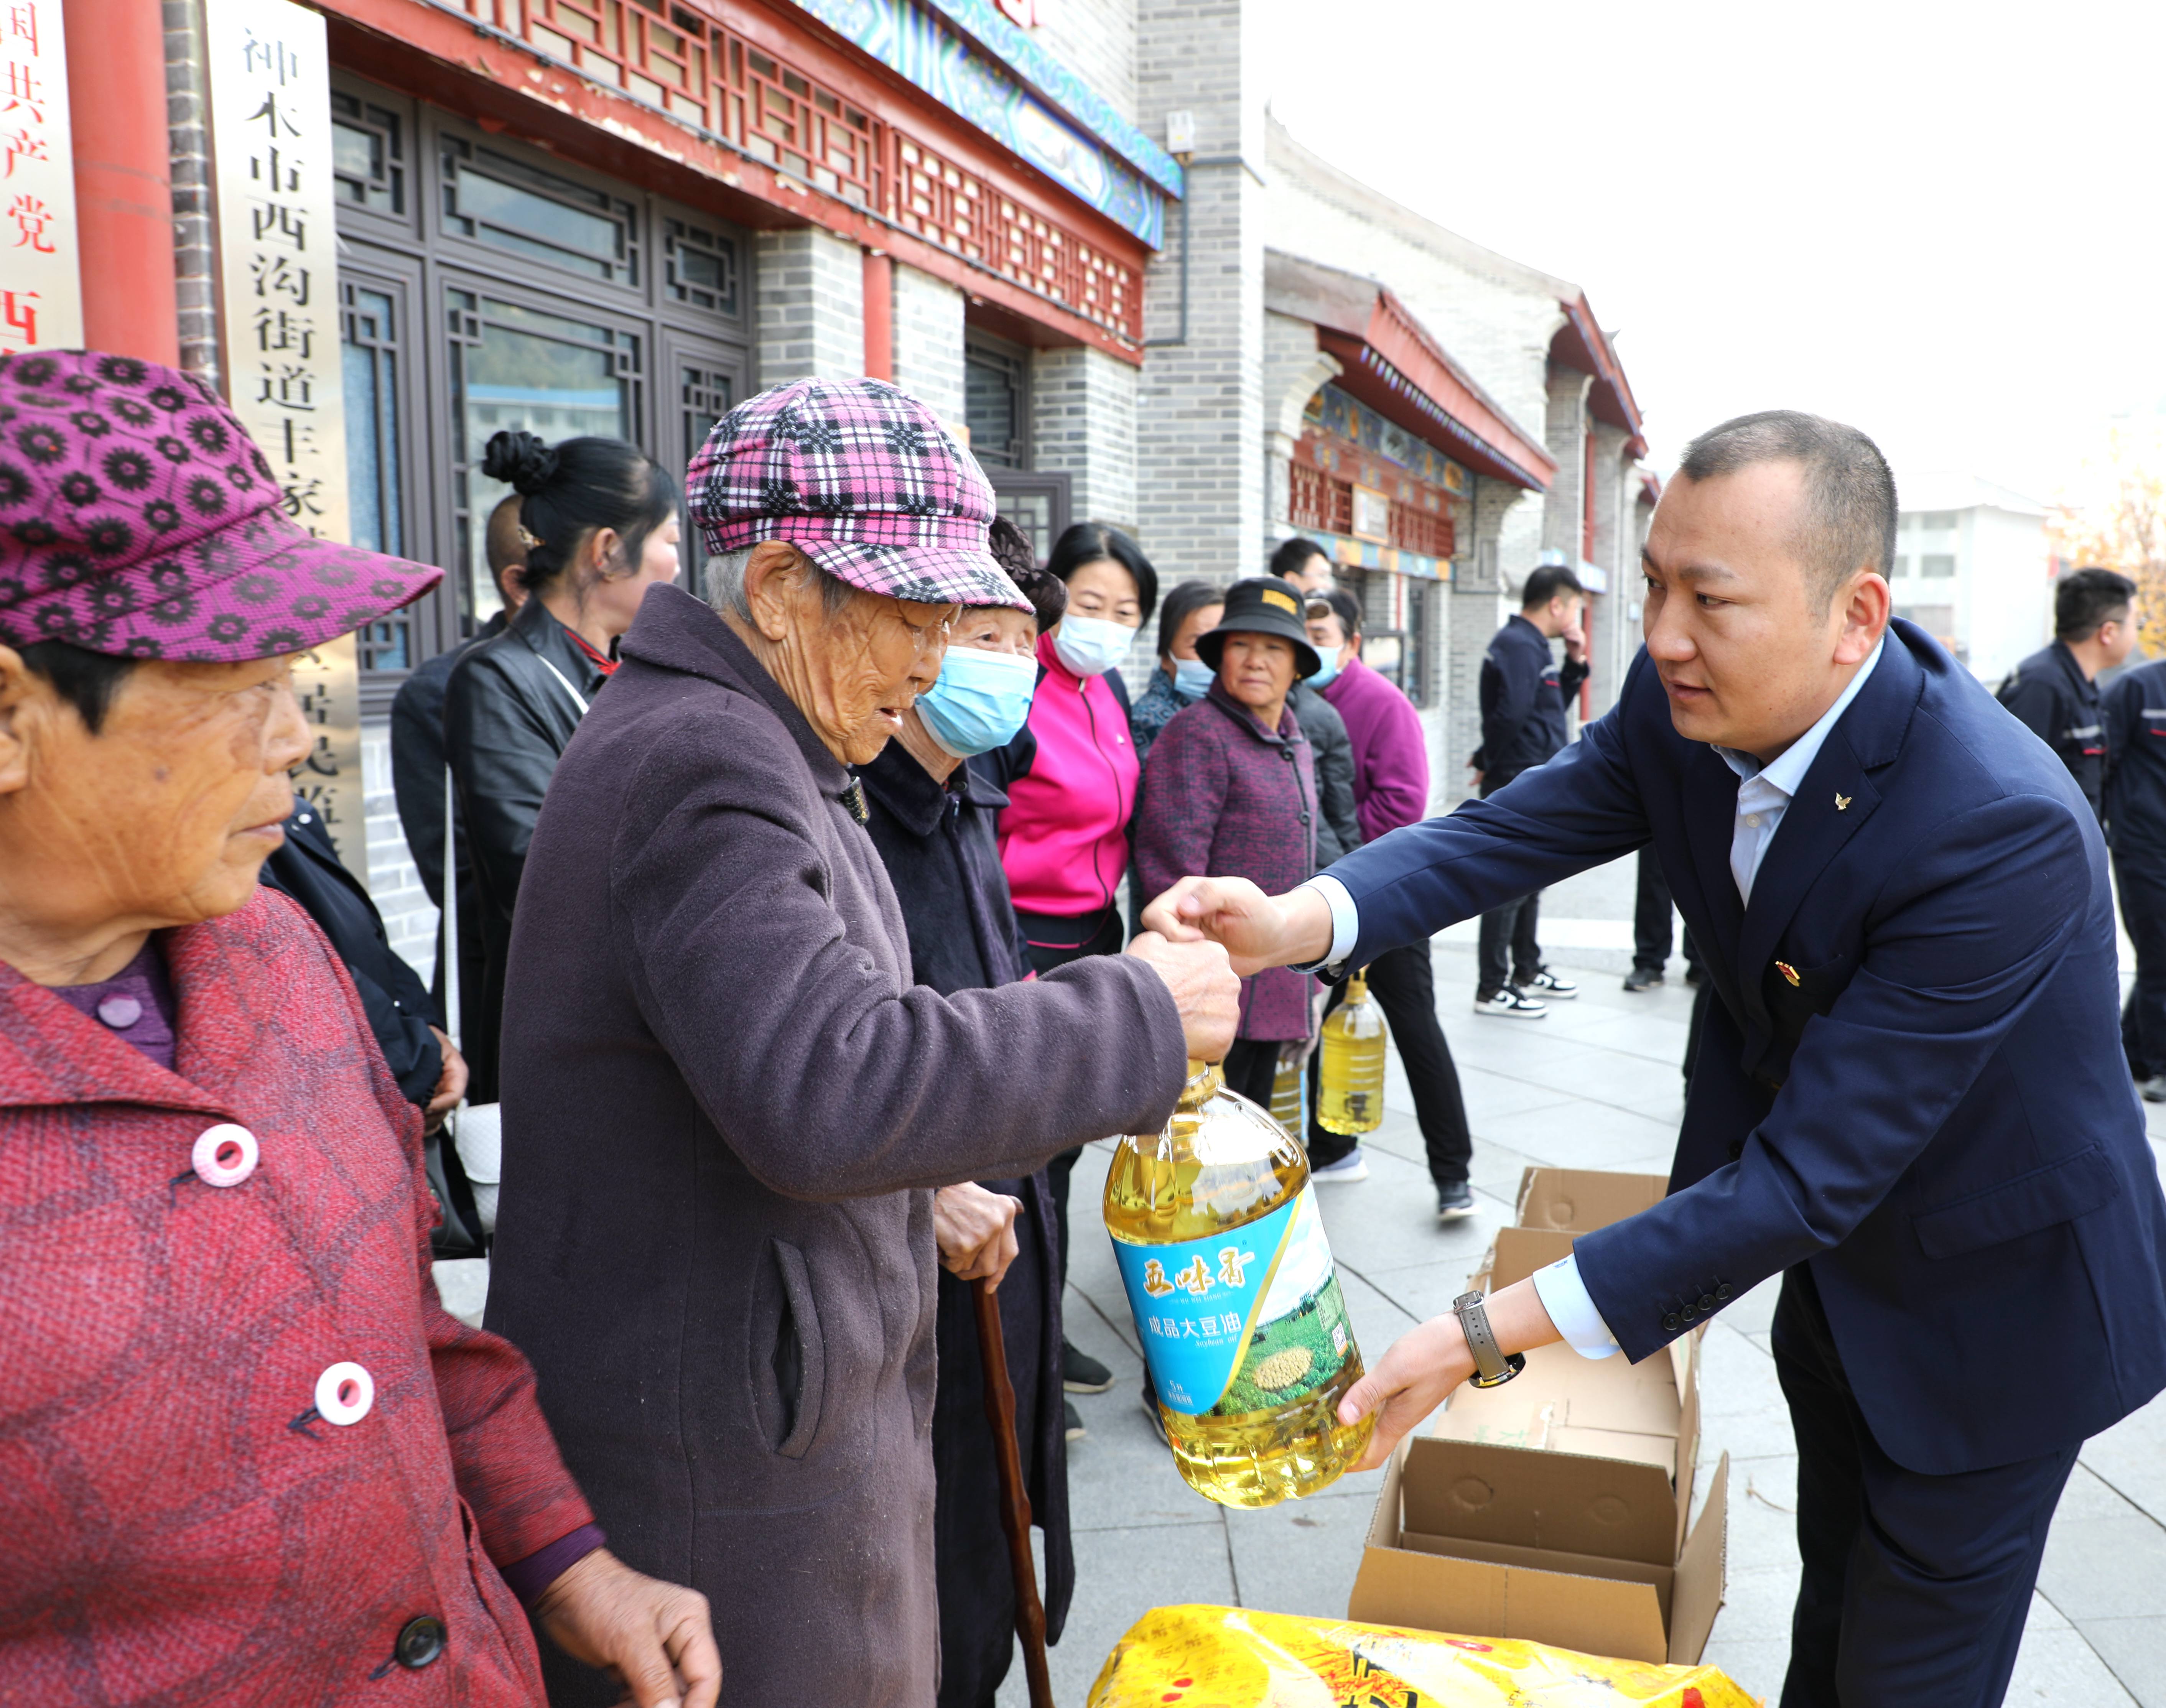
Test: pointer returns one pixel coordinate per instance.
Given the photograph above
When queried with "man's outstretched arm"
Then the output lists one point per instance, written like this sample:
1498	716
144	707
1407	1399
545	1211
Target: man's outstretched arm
1579	810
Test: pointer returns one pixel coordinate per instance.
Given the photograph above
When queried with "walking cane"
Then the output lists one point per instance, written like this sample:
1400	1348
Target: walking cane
1015	1501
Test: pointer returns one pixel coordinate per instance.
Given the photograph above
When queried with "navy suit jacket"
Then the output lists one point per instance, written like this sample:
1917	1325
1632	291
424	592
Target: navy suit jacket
1935	1115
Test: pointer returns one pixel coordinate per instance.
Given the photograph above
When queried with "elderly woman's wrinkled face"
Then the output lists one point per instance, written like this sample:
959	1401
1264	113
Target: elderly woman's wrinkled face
992	628
851	672
1258	670
162	817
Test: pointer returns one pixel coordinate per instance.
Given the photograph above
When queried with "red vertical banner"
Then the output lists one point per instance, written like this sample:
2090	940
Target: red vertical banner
123	189
40	276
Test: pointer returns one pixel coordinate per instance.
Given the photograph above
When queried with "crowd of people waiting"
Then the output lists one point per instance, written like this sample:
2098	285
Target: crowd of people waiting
796	952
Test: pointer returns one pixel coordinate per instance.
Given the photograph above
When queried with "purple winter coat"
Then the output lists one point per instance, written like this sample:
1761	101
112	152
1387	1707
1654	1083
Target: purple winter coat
1224	797
725	1107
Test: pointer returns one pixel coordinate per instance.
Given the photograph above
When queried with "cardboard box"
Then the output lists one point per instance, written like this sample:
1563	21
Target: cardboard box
1596	1408
1484	1540
1580	1200
1557	1508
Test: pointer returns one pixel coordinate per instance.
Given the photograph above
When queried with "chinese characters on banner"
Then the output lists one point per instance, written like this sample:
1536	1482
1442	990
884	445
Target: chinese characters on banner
271	146
40	286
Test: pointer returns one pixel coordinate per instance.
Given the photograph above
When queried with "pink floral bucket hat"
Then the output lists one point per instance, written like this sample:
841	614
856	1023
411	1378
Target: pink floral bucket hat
138	518
861	477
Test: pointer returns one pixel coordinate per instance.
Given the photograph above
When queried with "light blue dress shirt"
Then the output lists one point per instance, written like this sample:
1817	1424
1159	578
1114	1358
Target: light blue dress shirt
1763	796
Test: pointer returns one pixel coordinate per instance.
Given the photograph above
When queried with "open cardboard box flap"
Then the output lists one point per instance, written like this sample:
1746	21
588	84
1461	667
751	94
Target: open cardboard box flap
1580	1200
1604	1407
1549	1547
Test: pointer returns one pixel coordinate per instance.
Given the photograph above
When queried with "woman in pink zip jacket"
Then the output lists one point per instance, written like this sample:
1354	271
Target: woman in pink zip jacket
1070	778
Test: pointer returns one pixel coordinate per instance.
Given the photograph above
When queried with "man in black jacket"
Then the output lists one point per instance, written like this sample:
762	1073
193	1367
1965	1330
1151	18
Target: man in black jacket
2135	709
1338	831
1524	695
2054	692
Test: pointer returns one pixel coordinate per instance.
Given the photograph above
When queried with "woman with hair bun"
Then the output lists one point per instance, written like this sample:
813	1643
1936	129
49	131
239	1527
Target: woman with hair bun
599	520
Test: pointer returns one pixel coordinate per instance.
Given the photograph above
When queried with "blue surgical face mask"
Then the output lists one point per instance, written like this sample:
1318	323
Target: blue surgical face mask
1193	677
1089	646
978	700
1325	676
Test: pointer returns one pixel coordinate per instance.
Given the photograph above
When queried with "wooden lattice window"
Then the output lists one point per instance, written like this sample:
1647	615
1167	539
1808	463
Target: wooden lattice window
665	55
1414	529
1320	503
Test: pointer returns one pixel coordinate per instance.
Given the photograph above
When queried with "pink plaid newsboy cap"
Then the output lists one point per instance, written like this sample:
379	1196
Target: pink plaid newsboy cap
859	476
138	518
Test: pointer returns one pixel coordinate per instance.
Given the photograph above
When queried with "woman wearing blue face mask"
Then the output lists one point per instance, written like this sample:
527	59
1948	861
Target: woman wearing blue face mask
1181	678
1070	779
932	819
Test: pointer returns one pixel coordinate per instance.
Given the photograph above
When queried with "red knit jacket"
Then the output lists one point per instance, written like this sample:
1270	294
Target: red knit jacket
181	1525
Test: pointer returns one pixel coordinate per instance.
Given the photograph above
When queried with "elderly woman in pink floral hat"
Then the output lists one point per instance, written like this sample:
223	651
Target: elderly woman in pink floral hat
244	1455
727	1105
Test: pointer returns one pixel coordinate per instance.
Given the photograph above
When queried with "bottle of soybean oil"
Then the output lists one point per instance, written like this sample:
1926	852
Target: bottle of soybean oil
1237	1304
1350	1099
1289	1107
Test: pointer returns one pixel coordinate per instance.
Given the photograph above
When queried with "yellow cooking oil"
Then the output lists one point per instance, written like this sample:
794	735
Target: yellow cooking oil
1236	1301
1350	1099
1286	1100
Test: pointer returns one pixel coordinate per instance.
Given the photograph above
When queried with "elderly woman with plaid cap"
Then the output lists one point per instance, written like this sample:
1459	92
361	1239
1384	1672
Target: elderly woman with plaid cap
244	1455
727	1105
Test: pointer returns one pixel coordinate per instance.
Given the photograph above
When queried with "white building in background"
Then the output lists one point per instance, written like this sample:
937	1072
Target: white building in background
1972	567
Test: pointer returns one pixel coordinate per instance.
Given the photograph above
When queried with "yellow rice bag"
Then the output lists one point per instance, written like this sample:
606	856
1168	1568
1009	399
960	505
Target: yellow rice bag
1230	1657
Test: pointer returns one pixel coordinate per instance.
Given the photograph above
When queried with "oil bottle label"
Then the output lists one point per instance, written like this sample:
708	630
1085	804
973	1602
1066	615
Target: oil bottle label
1242	1322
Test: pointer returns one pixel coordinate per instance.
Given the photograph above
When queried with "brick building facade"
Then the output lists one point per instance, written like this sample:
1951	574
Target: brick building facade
626	215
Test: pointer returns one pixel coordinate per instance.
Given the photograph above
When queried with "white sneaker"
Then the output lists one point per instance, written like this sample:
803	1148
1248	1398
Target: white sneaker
1511	1004
1546	983
1352	1167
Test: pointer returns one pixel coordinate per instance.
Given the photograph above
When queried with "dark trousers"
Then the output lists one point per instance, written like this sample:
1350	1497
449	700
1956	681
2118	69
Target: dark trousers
1403	981
2141	877
1510	927
1915	1589
1651	911
970	1563
1251	1066
1066	940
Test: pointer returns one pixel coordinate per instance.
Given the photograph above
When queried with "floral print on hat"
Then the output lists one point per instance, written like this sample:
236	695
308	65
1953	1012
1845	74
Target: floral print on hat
138	518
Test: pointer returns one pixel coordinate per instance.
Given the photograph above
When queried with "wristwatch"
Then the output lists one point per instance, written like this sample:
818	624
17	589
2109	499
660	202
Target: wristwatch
1492	1368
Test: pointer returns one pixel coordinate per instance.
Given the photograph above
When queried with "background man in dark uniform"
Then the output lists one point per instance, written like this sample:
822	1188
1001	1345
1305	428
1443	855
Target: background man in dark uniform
2055	691
2136	831
1523	694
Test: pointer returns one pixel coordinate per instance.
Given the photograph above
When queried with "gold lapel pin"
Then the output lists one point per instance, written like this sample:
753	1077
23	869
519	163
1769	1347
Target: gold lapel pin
1788	971
1842	804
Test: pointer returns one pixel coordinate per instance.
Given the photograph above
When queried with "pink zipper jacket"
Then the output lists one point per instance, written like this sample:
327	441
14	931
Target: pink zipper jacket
1064	837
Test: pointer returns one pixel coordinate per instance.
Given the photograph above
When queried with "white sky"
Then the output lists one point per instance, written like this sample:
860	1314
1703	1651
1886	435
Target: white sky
1943	223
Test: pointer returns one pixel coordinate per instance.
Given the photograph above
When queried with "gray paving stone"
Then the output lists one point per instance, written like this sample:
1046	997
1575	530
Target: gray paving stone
2106	1569
2131	1457
1120	1576
1752	1664
1491	1096
1301	1557
2060	1669
2135	1650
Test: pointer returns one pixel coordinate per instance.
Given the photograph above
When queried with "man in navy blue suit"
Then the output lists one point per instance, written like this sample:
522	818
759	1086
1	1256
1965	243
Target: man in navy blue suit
1910	1099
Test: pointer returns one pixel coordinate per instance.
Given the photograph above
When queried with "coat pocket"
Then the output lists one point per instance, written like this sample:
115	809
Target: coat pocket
789	1361
2044	1197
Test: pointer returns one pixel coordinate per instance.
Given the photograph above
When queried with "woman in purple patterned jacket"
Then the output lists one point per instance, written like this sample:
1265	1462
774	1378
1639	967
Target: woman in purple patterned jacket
1230	791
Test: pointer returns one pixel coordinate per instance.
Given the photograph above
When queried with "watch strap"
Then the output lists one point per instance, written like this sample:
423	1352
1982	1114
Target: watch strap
1493	1367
